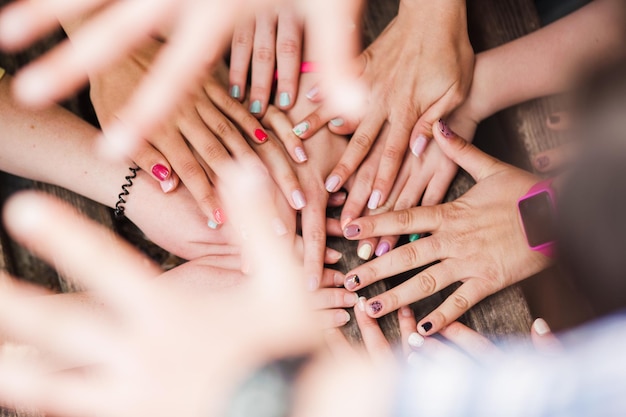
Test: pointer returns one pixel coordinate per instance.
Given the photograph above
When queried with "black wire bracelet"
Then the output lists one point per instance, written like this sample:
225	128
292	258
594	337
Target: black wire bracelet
119	206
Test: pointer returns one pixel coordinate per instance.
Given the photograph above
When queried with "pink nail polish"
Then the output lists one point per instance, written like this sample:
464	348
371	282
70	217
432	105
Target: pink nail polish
374	200
160	172
260	135
219	215
443	127
419	145
332	183
352	282
352	231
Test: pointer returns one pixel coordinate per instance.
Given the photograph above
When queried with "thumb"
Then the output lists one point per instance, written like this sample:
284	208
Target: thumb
477	163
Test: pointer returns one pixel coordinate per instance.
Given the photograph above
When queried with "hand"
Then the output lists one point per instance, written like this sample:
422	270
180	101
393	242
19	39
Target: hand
413	84
274	42
476	239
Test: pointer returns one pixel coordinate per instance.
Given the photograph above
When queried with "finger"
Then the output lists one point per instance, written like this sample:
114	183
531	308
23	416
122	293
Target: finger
337	199
375	341
263	62
281	126
328	298
407	325
328	319
438	187
331	278
477	163
333	228
472	342
554	159
152	161
313	122
559	121
342	125
240	56
413	220
314	95
358	148
461	300
332	256
365	248
314	233
543	338
422	131
426	283
288	57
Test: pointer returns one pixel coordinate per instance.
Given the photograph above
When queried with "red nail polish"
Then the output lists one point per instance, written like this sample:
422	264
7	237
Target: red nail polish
219	215
160	172
260	135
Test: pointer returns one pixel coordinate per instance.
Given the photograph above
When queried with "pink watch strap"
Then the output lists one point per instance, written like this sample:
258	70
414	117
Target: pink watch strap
547	248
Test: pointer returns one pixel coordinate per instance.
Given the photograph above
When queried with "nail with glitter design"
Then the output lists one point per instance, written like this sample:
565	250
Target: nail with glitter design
160	172
352	282
427	326
260	135
375	307
416	340
301	128
351	231
445	130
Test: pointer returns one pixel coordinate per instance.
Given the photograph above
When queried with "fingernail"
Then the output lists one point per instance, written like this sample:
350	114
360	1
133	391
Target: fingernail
445	130
352	231
212	224
160	172
284	100
338	279
419	145
350	299
14	25
542	162
427	326
361	303
541	327
255	107
333	254
375	307
382	248
406	311
337	122
365	252
300	154
167	185
416	340
298	199
352	282
260	134
312	93
300	128
219	215
374	200
279	227
312	284
235	91
413	237
331	183
554	119
342	317
337	199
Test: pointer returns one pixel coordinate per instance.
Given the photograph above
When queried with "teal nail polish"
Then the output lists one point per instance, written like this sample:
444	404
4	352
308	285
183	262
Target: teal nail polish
284	100
235	91
255	107
413	237
338	122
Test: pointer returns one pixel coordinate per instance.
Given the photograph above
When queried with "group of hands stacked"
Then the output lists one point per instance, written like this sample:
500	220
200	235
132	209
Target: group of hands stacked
196	133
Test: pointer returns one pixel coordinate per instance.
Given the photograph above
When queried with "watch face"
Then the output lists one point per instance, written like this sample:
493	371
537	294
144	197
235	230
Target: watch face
538	218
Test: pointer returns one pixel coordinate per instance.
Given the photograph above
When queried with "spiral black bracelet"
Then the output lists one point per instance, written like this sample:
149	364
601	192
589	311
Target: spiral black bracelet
119	206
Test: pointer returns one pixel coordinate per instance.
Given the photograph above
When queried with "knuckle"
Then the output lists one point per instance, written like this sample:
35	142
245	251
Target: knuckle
362	141
242	40
316	234
190	170
427	283
404	219
409	256
264	55
288	48
211	151
460	302
223	129
393	153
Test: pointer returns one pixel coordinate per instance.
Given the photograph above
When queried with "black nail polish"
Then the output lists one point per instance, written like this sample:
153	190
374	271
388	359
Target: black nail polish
427	326
376	307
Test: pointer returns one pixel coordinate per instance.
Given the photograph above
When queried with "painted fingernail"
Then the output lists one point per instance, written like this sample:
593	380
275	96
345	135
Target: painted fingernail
261	135
284	99
312	93
406	311
542	162
445	130
375	307
160	172
300	128
413	237
342	317
337	122
167	185
541	327
351	299
300	154
255	107
554	119
365	252
298	199
419	145
331	183
374	200
416	340
427	326
235	91
361	303
279	227
352	231
219	216
312	284
352	282
382	248
212	224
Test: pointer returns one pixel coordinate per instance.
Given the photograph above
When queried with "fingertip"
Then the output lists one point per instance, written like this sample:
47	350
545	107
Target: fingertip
426	327
541	328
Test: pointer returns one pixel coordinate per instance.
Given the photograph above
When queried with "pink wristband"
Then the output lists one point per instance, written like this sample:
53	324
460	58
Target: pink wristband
305	67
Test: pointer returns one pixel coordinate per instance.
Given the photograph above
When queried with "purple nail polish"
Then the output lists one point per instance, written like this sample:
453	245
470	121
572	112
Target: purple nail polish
352	282
443	127
382	248
352	230
427	326
375	307
542	162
